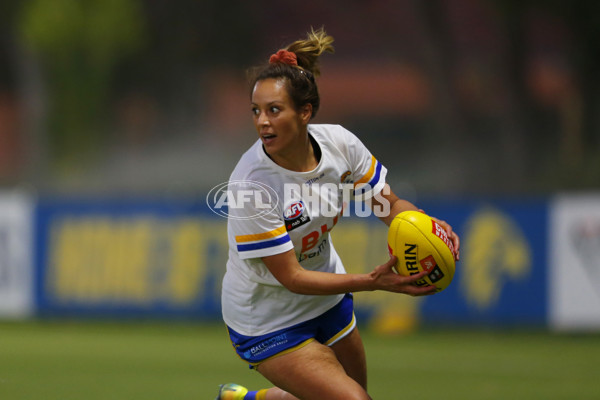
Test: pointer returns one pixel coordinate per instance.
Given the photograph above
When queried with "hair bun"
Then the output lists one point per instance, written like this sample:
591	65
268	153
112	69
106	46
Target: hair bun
285	57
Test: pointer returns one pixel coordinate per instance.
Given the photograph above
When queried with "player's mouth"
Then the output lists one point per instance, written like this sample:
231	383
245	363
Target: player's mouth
268	138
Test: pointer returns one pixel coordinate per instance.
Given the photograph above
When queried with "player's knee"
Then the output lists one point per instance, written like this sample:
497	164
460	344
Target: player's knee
358	396
353	394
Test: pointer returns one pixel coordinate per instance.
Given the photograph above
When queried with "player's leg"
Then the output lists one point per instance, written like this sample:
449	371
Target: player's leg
350	352
310	373
340	362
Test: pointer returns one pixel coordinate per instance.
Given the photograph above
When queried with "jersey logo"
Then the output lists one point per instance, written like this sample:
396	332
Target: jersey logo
344	178
295	216
293	211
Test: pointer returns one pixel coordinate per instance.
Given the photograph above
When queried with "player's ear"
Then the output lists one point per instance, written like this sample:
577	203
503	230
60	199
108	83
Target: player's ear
306	113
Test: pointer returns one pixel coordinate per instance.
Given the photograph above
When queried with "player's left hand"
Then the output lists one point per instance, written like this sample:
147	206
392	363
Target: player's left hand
451	235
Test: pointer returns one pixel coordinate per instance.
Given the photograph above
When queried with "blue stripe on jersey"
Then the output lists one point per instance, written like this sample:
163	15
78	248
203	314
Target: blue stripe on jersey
265	244
361	189
375	179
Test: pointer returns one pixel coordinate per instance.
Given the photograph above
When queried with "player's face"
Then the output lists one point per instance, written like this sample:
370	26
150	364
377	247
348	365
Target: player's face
280	126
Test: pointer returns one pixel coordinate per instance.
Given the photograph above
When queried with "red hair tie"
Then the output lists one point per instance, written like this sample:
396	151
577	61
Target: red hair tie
285	57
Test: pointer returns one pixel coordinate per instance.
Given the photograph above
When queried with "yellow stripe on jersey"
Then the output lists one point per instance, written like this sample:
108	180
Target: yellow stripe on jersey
367	177
260	236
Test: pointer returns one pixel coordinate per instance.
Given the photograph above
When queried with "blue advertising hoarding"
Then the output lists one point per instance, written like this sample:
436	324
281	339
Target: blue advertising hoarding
128	258
167	258
501	277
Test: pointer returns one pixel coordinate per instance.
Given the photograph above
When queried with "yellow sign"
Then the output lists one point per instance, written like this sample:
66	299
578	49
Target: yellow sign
132	260
495	250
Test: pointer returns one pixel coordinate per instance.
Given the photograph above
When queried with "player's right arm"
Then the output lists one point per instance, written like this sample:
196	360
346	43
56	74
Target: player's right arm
288	271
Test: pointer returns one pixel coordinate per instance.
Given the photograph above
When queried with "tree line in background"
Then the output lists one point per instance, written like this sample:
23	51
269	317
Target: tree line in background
65	66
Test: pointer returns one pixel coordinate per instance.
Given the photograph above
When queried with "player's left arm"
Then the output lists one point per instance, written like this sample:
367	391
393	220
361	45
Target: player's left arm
386	205
386	200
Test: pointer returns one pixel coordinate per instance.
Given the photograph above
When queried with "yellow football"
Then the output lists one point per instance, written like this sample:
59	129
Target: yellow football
420	243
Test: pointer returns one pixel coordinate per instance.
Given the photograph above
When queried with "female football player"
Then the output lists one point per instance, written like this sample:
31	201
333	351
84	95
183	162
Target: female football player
286	298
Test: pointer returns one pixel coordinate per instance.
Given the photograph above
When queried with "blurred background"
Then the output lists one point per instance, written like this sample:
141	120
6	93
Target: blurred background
457	97
117	117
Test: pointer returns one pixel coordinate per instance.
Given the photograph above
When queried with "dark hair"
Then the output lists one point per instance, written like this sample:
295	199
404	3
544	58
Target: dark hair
299	80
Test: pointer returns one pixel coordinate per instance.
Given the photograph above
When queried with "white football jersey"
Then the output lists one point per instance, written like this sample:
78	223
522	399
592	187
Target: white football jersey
298	214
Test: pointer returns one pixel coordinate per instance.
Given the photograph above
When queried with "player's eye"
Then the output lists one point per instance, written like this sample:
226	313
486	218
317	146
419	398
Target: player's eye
255	111
274	110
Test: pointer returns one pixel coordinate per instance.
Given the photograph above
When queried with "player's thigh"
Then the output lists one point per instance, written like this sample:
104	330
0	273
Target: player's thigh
350	352
312	372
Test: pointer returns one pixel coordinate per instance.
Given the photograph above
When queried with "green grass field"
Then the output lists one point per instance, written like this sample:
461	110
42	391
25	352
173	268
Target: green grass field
154	361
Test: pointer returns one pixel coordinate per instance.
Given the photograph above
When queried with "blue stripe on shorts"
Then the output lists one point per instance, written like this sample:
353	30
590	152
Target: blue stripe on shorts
327	328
